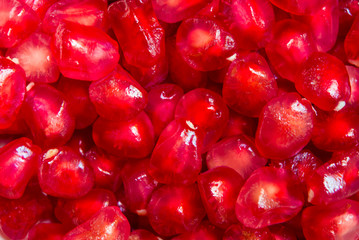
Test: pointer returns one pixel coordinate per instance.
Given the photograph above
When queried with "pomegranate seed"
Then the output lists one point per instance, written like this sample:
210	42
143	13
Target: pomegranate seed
118	96
323	79
251	76
77	211
12	91
138	31
337	220
240	232
251	21
292	44
204	44
336	179
175	209
35	57
105	168
285	126
64	173
336	131
324	25
301	7
128	139
350	46
108	223
18	21
84	12
269	196
180	72
219	188
48	115
18	161
175	11
49	231
176	158
206	110
138	185
162	102
238	152
77	95
84	52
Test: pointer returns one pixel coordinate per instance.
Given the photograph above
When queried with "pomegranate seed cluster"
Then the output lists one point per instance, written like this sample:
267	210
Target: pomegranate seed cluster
179	119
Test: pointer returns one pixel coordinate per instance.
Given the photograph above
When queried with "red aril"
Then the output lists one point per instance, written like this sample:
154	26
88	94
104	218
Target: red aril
250	21
118	96
206	110
18	164
237	152
85	12
338	220
268	197
127	139
176	158
336	179
73	212
324	25
323	80
219	189
108	223
84	52
251	76
48	115
138	31
285	126
64	173
14	12
336	131
35	57
12	91
175	209
291	45
204	43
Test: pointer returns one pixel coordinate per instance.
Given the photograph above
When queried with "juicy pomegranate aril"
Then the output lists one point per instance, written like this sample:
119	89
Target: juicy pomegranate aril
84	52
